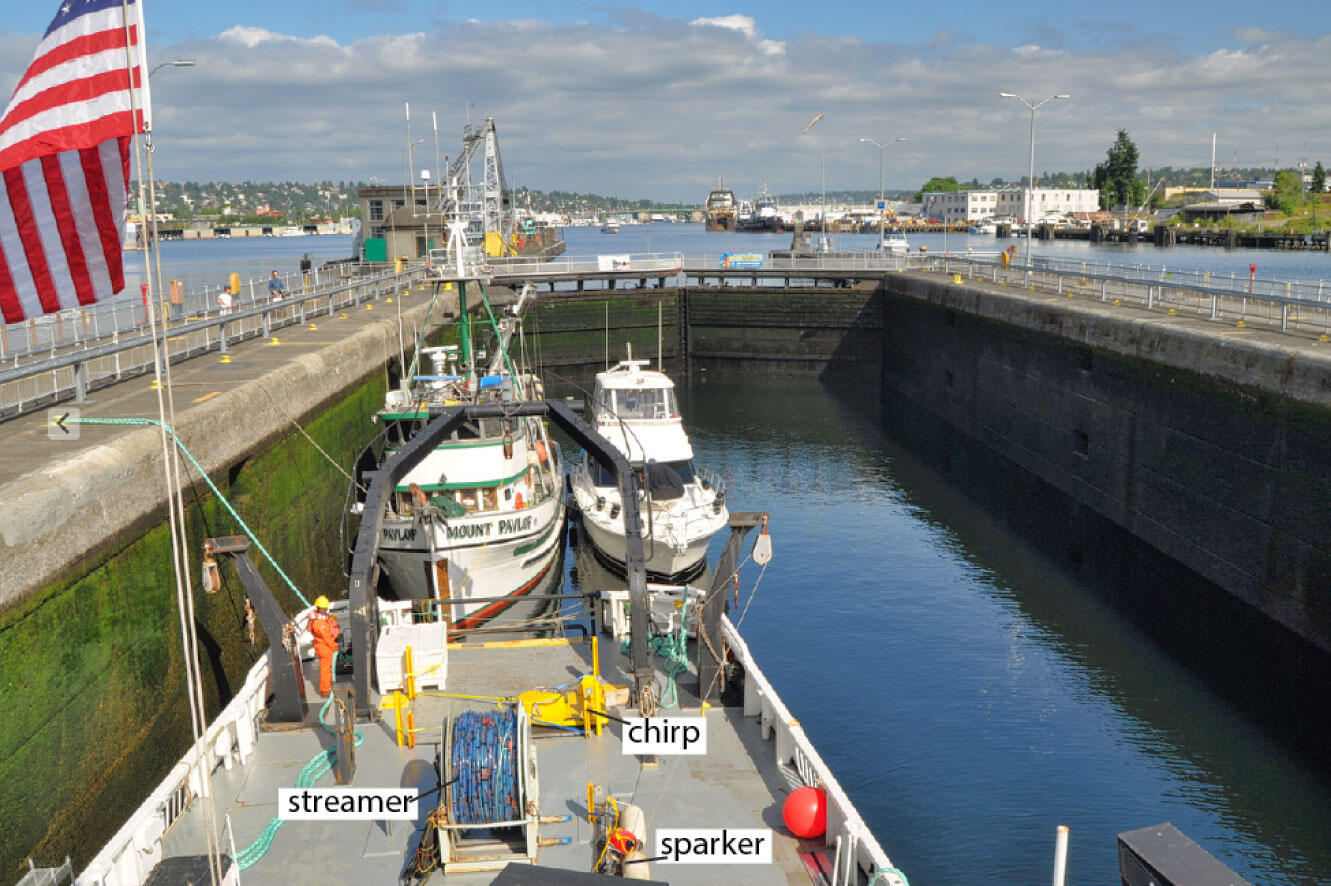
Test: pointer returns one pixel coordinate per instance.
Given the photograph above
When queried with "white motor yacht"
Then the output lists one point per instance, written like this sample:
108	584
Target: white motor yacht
636	410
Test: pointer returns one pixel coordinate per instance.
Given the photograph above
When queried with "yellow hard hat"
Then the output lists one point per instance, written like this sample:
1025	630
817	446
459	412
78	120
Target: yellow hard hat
321	603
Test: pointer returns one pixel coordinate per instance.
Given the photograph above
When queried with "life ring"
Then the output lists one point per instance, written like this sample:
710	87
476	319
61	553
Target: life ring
540	451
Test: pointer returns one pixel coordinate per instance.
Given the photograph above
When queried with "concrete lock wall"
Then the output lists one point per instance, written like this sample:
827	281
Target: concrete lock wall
1211	450
90	648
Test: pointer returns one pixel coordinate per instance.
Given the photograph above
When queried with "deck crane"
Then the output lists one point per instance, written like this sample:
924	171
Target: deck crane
491	211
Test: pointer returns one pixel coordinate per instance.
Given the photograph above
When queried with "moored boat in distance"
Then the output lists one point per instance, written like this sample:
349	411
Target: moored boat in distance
636	409
721	210
610	225
894	242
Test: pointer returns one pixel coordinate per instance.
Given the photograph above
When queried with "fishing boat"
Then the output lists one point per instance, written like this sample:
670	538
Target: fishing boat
636	409
482	514
721	209
764	216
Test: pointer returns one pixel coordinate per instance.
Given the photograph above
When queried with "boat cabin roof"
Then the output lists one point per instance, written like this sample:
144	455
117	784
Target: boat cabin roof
630	375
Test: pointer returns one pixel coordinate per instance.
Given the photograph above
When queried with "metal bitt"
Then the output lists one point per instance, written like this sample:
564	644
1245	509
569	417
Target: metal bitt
288	702
360	590
711	676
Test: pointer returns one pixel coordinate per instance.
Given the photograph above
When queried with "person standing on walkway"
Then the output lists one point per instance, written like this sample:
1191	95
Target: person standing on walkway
226	301
325	630
275	287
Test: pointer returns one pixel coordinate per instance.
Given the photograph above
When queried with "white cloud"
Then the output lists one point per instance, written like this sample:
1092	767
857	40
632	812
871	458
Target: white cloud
658	107
252	37
742	23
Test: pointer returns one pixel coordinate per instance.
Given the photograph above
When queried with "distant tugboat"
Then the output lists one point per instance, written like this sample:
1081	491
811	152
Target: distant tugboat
721	210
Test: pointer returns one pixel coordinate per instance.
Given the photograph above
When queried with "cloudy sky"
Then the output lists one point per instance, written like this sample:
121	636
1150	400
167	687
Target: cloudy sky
658	100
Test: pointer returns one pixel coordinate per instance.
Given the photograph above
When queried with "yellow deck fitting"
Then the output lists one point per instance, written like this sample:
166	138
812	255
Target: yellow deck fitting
1242	324
343	316
369	307
313	327
274	341
389	300
956	278
226	358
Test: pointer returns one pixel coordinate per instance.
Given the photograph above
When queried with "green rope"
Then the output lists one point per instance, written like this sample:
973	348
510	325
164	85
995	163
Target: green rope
881	874
204	474
314	770
674	648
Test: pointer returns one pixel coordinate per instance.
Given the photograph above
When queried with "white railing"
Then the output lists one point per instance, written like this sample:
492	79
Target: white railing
857	851
71	372
650	264
1287	306
129	857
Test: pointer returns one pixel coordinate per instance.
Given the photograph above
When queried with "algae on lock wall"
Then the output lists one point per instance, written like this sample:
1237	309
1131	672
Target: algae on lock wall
91	672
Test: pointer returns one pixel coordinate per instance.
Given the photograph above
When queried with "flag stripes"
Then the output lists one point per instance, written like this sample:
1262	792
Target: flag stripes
64	160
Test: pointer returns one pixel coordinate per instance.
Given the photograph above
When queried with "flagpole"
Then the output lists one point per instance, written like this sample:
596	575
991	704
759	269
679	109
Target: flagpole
141	120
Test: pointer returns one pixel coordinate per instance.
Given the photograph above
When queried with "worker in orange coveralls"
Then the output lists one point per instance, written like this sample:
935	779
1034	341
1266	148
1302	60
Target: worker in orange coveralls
325	630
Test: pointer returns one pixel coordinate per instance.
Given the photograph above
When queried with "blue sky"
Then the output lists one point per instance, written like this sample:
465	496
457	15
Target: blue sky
1187	25
659	101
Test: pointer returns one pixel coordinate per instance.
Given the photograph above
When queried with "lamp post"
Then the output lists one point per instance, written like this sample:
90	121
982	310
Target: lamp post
822	214
882	209
1030	181
174	63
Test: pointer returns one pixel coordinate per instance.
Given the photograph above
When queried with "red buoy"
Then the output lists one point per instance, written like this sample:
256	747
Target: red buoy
805	812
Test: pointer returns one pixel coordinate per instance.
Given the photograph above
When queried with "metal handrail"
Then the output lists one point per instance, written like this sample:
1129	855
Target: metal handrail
260	318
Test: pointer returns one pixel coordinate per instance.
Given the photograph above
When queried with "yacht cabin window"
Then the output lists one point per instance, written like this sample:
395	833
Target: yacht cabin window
645	403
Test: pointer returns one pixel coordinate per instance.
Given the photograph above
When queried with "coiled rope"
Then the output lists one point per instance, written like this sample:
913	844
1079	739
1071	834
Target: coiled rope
217	493
317	768
485	767
674	648
882	873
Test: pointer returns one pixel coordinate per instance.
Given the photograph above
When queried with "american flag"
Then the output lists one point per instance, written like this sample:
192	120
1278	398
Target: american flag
64	159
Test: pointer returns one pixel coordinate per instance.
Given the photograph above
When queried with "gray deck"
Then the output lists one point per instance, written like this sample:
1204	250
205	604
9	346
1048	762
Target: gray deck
735	785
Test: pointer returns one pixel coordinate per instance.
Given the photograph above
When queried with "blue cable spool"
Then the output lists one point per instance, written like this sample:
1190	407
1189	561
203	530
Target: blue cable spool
484	760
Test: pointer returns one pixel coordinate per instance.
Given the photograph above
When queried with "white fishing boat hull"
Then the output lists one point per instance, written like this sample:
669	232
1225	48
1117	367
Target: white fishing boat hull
508	554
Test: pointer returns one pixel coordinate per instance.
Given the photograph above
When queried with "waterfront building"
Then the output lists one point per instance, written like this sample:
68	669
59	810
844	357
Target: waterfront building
973	205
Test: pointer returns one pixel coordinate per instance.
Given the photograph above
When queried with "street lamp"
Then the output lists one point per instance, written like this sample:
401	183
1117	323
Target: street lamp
174	63
1030	181
823	245
882	209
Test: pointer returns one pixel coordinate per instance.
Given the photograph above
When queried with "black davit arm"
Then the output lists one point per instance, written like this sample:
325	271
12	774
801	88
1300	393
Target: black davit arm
711	669
288	701
361	589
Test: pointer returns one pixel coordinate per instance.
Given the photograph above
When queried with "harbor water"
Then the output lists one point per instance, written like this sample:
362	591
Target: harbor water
972	691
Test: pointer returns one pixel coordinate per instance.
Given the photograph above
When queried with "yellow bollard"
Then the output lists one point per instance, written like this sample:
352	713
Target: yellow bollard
1242	324
369	307
313	327
956	278
389	300
343	316
1172	312
274	341
226	358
